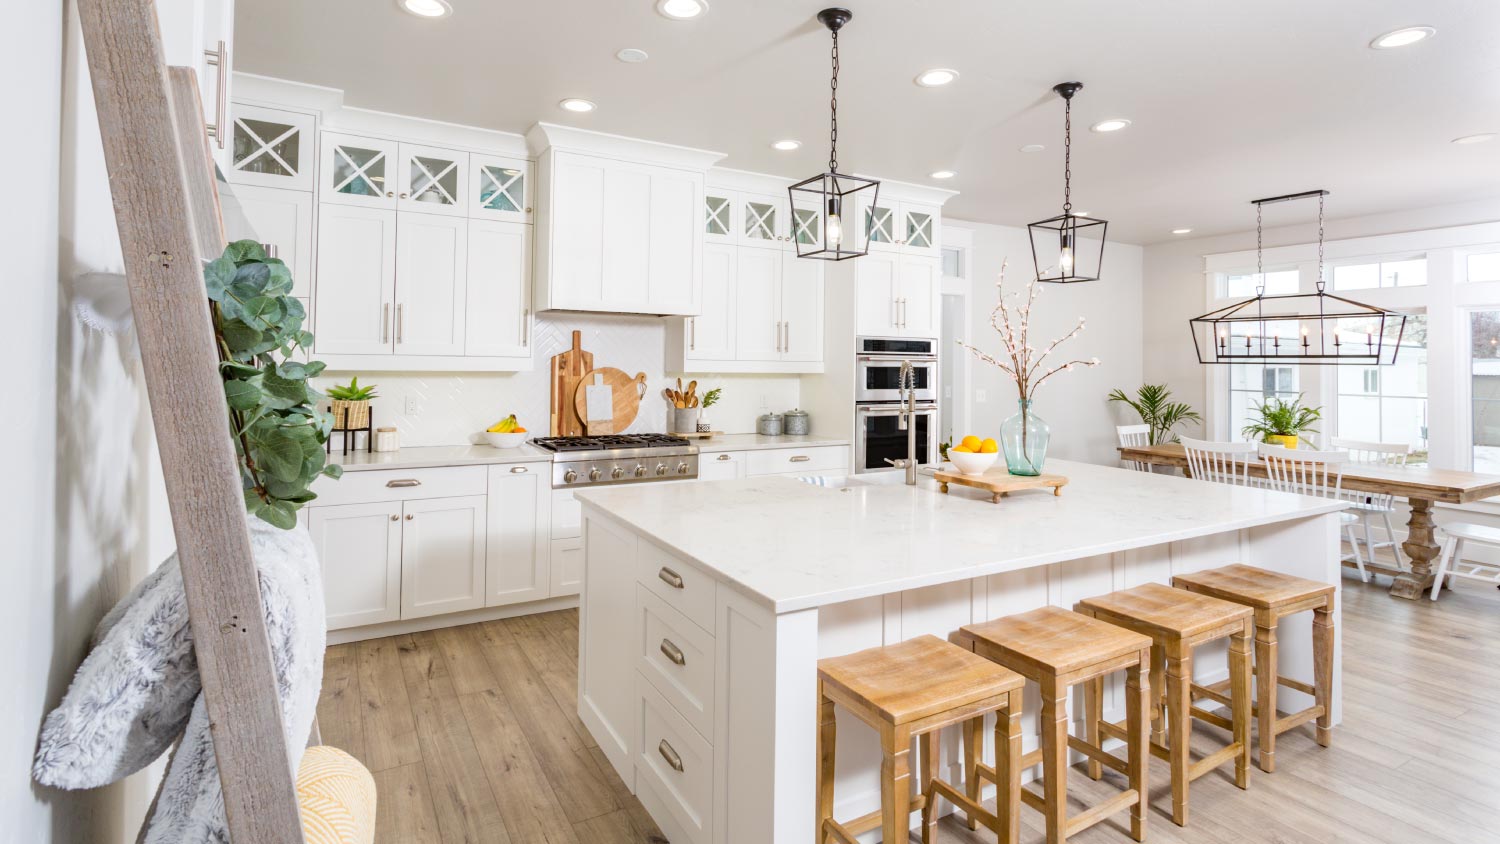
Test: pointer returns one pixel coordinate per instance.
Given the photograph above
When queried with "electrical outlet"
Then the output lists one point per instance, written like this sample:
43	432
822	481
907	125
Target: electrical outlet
979	396
413	408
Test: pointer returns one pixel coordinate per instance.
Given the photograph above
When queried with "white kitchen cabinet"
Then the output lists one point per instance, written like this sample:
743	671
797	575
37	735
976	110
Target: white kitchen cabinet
498	304
357	171
359	546
757	310
921	292
442	555
801	308
898	295
271	148
567	566
433	180
519	542
278	217
720	216
356	279
432	259
762	311
724	466
501	188
675	257
763	220
711	334
901	226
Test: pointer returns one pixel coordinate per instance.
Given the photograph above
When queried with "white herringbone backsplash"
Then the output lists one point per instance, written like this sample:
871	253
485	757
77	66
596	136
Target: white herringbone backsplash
453	408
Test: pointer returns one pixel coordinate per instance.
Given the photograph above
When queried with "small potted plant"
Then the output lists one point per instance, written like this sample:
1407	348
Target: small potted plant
710	399
1282	422
1153	402
351	404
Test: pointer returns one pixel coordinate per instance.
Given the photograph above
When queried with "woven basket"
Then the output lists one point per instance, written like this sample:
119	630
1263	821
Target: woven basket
350	414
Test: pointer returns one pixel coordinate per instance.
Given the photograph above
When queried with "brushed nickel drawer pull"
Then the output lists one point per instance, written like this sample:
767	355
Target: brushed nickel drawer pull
669	577
519	470
725	457
800	458
673	652
405	482
670	755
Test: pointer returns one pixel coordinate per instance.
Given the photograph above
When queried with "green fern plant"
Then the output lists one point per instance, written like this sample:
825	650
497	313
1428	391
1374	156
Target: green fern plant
1153	403
1278	418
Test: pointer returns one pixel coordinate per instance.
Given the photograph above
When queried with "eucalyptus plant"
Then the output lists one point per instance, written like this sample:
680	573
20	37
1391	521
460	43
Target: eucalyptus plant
1278	418
1153	402
279	433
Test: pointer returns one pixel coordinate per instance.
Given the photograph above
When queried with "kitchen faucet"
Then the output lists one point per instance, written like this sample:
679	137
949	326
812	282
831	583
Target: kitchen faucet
906	383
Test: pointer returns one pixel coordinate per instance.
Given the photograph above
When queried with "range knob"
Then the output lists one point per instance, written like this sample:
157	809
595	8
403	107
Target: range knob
661	469
640	471
570	476
682	468
594	474
617	473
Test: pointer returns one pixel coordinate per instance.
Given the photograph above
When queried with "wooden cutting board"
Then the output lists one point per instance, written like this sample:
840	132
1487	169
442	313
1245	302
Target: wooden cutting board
1000	482
624	404
568	369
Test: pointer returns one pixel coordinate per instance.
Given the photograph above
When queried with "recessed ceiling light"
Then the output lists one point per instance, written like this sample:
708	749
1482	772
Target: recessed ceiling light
936	77
1403	37
943	174
426	8
1475	139
576	105
631	55
1032	148
1182	231
1114	124
786	145
681	10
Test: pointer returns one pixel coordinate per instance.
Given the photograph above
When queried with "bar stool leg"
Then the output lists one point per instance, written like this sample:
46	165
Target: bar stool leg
1239	695
973	731
1008	767
1137	695
827	730
1158	695
1322	628
895	785
1179	700
1093	713
928	748
1265	687
1054	715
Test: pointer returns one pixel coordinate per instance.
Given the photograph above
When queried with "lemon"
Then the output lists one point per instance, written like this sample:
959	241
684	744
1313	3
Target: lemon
989	446
971	443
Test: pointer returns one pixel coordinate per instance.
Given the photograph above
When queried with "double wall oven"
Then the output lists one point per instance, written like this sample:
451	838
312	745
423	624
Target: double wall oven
878	436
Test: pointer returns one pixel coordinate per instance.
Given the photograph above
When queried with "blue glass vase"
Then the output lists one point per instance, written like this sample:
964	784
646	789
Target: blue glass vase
1024	437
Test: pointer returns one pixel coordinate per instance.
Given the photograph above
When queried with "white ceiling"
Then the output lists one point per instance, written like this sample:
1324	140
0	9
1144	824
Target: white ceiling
1230	100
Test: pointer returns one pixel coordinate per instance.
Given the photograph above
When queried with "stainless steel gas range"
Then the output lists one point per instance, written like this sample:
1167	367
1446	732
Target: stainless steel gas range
619	459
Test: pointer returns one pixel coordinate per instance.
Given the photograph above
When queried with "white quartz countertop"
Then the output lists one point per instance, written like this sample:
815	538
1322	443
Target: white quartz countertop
794	546
756	442
426	457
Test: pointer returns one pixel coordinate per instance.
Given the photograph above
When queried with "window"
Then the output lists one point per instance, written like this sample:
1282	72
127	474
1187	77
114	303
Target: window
1408	273
1484	267
1252	384
1484	389
953	262
1388	403
1243	285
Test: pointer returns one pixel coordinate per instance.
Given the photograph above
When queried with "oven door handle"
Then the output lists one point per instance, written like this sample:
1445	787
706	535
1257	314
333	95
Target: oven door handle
892	410
916	360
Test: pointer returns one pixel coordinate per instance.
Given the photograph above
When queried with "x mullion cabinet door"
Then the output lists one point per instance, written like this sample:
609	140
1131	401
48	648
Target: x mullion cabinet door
433	180
919	229
720	216
271	148
762	220
500	188
357	171
881	221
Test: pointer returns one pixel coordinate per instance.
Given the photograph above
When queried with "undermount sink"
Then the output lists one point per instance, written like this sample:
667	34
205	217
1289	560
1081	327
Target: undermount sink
891	478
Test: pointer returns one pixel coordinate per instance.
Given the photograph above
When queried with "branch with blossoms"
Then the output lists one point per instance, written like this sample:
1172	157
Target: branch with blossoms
1012	321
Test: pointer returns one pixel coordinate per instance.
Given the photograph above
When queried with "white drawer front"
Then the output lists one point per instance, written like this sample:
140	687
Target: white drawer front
781	461
567	515
400	485
676	762
684	587
677	656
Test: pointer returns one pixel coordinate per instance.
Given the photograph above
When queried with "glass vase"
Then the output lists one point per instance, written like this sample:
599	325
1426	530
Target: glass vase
1023	438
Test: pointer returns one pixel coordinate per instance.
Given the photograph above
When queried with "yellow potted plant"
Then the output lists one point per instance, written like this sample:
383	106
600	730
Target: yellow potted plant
1282	422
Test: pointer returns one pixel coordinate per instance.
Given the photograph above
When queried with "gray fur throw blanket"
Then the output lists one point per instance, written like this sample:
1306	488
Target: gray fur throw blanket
138	690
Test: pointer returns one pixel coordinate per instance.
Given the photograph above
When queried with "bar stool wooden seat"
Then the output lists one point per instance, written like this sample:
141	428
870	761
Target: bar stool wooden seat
906	690
1178	622
1057	649
1273	596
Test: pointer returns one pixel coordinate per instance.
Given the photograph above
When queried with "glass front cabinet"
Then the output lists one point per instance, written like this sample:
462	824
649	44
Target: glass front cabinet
501	188
271	148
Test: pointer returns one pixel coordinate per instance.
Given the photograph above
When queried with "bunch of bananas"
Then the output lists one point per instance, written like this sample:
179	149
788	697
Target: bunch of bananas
508	425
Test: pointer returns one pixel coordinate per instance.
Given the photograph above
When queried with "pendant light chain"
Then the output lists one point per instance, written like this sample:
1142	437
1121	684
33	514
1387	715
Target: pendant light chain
1068	155
833	109
1260	267
1320	243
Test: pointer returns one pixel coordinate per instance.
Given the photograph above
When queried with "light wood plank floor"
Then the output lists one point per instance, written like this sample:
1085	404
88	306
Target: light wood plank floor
472	736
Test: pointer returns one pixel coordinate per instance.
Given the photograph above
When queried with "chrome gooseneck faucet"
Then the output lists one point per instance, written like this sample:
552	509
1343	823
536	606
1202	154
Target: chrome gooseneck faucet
906	382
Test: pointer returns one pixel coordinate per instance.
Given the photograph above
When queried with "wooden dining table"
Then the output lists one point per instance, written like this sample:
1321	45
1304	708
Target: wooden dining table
1419	485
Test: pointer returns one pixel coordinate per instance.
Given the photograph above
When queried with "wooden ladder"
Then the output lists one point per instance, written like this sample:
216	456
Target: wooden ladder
167	211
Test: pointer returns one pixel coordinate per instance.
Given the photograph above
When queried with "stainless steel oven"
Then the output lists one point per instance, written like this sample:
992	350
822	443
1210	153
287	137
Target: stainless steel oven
877	367
878	435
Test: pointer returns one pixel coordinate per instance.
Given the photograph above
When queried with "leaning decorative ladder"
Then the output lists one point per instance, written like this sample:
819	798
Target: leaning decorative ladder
167	211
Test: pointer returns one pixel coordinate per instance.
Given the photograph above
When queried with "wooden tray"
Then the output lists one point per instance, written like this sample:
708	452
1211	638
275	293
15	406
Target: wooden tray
626	396
568	369
1000	482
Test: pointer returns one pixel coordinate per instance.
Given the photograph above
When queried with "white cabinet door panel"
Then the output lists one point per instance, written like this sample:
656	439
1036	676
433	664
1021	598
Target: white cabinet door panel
567	566
357	171
724	466
577	249
627	237
921	287
271	148
442	555
920	229
518	546
498	318
710	335
878	282
676	196
433	181
431	264
359	546
720	217
500	188
757	327
283	218
801	308
356	279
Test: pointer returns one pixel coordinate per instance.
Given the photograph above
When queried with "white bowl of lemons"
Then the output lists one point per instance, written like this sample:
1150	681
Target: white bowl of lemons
974	456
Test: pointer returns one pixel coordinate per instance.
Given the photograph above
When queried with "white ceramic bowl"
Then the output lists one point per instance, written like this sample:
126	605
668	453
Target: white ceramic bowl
505	440
972	464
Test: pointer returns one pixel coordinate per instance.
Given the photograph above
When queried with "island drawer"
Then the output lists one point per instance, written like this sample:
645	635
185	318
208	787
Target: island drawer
799	461
685	587
674	762
677	657
367	486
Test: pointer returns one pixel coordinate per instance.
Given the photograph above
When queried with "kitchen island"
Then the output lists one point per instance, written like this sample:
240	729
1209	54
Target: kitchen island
706	607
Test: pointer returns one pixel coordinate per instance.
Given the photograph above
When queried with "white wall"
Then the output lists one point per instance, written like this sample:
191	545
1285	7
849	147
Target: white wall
1073	403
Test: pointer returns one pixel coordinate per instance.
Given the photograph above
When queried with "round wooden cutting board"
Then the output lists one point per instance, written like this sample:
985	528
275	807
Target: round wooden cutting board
628	391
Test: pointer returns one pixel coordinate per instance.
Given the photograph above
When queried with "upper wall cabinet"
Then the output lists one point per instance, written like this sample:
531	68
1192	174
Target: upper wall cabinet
898	225
501	188
357	171
433	180
272	148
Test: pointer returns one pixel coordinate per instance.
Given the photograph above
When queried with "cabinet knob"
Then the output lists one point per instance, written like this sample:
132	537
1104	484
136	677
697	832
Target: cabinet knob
395	518
528	210
403	194
410	516
390	193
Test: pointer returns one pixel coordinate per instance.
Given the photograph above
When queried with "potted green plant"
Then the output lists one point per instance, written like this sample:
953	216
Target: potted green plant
709	399
1153	402
1282	422
351	404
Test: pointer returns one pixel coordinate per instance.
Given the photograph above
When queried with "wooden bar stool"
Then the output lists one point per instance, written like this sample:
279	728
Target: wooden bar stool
1273	596
1178	622
915	688
1057	649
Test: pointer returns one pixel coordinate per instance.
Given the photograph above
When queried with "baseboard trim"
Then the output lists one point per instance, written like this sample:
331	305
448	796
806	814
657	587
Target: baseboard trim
433	622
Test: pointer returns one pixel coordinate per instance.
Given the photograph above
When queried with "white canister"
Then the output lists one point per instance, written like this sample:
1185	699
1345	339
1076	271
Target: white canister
387	439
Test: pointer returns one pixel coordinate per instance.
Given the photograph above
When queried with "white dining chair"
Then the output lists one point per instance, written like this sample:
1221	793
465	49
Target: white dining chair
1225	463
1451	562
1373	506
1319	474
1134	436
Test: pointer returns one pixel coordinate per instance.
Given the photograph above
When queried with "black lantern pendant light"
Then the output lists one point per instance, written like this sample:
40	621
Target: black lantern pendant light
1313	328
1068	247
822	207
